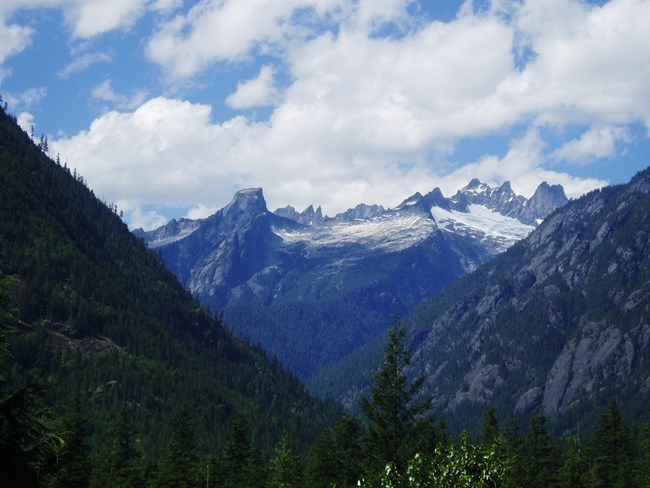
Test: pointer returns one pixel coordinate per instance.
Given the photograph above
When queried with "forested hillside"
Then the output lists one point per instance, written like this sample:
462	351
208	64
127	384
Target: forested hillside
98	317
560	320
111	375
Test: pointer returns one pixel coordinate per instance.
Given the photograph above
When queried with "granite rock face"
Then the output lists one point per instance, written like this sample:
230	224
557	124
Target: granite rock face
277	276
561	319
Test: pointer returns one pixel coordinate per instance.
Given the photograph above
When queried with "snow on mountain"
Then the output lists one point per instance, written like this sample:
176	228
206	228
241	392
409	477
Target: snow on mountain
393	231
173	231
483	224
302	274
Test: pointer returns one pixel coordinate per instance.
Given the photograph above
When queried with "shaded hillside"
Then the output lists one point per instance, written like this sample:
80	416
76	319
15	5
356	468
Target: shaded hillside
312	289
562	319
101	316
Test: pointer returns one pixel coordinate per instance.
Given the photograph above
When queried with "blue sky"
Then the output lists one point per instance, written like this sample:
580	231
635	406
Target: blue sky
167	107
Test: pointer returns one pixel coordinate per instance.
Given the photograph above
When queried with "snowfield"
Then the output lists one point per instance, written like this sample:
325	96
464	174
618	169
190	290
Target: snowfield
390	232
483	224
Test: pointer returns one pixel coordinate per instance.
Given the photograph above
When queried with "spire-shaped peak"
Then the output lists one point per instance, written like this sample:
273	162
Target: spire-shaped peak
474	183
506	186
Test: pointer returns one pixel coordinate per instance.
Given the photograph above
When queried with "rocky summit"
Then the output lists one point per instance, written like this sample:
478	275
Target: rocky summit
560	320
323	286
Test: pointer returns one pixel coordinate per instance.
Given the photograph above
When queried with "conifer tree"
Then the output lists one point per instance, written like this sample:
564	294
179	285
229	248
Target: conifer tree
611	448
490	427
394	419
348	451
178	467
118	467
237	455
540	457
74	463
322	466
285	470
574	470
28	445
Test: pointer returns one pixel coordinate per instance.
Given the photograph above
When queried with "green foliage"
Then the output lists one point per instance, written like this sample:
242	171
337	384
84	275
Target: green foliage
102	316
461	465
395	420
178	466
285	469
73	464
118	467
612	450
28	442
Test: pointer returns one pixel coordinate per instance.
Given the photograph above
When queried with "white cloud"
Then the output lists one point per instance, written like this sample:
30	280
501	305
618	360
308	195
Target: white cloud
226	30
590	65
258	92
372	118
82	62
592	145
145	219
165	5
201	211
523	166
26	121
13	39
90	18
105	92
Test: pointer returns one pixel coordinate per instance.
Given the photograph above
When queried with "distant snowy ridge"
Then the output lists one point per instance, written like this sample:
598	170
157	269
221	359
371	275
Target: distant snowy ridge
279	275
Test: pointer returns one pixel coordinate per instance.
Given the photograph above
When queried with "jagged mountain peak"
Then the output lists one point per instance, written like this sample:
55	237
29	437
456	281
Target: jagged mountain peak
545	199
360	212
309	216
410	201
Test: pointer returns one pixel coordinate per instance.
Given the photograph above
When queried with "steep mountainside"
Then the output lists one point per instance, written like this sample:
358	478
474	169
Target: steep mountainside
102	316
562	319
311	289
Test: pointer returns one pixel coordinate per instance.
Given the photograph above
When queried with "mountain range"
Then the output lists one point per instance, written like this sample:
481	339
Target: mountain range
312	289
560	321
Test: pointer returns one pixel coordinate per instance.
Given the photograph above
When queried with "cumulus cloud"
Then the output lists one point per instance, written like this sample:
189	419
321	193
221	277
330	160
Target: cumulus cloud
226	30
592	145
168	152
258	92
367	117
105	93
90	18
26	121
587	64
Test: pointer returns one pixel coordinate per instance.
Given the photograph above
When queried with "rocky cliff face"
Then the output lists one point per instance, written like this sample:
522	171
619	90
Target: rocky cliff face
561	319
334	279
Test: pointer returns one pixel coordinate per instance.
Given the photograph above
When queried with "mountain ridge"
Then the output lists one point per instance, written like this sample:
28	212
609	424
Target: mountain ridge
561	320
255	266
101	316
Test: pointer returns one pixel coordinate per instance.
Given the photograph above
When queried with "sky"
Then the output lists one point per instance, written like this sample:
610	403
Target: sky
168	107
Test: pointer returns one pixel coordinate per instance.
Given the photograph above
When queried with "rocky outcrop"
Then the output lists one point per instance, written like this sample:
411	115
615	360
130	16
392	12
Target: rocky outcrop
558	320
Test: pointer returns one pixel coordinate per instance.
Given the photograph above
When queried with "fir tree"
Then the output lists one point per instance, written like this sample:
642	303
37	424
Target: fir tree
611	448
74	463
178	468
490	427
285	470
28	445
540	456
574	470
394	420
237	455
118	467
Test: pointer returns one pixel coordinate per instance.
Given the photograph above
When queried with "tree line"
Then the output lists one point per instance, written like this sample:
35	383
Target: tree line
397	442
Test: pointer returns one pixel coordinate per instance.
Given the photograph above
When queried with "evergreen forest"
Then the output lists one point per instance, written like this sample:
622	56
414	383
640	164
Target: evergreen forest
112	375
